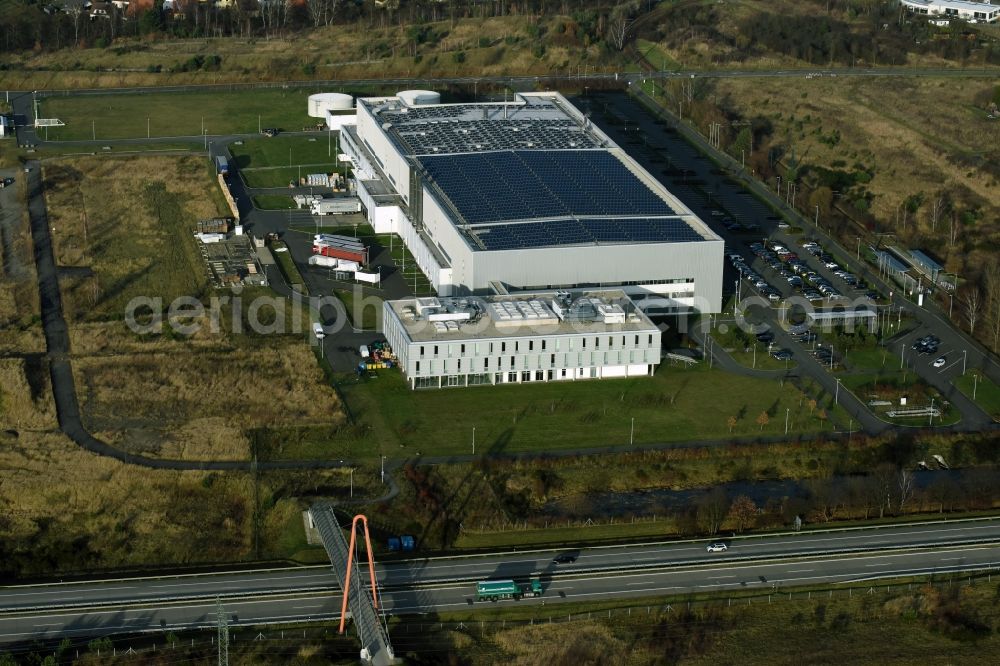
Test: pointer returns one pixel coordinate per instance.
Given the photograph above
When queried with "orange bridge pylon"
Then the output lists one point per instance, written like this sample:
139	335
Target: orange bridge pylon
350	560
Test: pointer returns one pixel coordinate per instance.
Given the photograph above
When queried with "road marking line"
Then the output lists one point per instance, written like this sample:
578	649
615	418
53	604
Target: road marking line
800	571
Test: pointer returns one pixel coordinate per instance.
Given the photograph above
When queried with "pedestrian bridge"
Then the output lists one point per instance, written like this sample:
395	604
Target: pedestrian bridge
361	600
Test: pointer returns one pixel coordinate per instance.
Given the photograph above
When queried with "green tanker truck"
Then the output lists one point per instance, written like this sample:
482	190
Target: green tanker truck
496	590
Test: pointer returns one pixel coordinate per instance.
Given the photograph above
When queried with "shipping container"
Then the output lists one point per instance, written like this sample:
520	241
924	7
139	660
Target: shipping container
327	250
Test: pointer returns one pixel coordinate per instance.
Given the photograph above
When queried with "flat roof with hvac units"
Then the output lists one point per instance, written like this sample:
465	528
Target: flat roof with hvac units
518	338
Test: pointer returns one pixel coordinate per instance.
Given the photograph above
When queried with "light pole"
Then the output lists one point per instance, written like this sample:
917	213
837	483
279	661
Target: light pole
817	217
631	432
965	354
836	395
930	420
786	420
352	481
473	440
383	470
975	384
859	249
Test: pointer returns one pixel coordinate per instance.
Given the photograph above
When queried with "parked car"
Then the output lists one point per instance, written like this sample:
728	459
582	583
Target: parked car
940	361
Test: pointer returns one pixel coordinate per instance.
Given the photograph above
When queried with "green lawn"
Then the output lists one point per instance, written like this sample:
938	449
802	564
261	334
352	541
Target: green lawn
369	316
283	151
674	405
287	266
987	393
176	114
273	202
657	56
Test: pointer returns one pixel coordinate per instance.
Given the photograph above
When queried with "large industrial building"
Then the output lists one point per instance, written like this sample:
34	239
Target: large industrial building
525	195
526	337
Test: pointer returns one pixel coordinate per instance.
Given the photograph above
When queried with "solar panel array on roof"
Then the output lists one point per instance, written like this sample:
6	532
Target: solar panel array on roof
463	136
574	232
518	185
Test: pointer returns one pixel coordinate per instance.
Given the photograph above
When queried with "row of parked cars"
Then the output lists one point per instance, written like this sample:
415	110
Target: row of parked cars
765	289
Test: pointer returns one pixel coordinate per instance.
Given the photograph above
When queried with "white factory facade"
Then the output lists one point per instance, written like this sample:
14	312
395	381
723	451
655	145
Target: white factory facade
521	338
973	12
525	195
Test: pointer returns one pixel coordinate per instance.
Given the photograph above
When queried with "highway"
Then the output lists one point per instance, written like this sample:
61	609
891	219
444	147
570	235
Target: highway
437	584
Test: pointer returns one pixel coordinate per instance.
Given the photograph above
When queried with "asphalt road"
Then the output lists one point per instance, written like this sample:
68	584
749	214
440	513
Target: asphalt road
503	565
159	604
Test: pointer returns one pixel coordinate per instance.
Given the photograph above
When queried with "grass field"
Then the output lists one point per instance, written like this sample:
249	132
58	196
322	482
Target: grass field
674	405
176	114
129	221
273	202
925	620
284	151
987	393
370	317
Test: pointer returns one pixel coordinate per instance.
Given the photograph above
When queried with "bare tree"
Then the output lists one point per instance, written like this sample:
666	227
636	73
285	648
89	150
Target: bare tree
937	208
972	303
882	482
618	30
712	510
953	232
991	281
321	11
904	488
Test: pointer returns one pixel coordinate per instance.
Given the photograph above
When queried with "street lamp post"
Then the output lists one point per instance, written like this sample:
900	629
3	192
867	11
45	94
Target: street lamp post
473	440
383	469
836	398
930	421
965	354
786	420
631	432
352	481
817	216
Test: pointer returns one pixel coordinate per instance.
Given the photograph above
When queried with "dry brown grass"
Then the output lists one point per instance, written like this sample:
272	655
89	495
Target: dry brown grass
180	397
198	405
64	508
913	132
107	217
354	51
25	404
569	643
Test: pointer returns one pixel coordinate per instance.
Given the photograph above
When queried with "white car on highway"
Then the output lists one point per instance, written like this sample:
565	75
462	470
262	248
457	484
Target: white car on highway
717	547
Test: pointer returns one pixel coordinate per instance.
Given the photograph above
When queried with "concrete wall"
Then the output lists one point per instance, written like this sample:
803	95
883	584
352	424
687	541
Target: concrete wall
393	164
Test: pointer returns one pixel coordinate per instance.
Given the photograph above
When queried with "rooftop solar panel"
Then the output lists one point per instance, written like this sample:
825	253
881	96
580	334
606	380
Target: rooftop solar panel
545	233
524	184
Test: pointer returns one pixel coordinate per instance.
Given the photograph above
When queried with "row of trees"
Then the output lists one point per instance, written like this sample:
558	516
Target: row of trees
886	491
28	25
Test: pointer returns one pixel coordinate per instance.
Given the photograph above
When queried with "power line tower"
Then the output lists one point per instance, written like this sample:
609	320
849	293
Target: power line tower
223	627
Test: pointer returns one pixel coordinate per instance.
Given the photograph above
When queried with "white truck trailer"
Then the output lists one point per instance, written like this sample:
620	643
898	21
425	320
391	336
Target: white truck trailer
337	206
